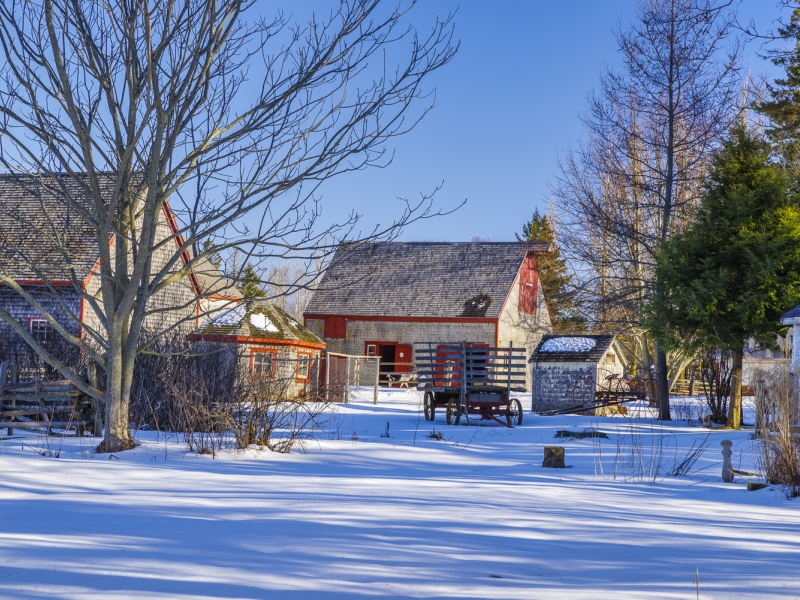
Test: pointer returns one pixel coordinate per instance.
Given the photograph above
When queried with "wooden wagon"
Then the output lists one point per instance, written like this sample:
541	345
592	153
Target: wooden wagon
471	379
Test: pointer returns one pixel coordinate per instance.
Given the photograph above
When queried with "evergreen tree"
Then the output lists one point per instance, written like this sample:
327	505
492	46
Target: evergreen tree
250	283
783	105
561	299
736	269
211	251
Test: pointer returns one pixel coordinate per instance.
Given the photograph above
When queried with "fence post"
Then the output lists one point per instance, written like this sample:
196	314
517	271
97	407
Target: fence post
3	381
347	380
11	377
327	377
510	357
377	379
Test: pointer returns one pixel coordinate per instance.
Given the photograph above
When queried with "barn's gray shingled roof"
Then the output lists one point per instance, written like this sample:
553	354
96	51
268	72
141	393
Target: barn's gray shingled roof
36	222
420	279
602	343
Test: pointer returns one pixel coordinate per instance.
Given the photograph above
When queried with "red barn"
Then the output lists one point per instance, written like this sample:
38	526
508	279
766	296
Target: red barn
380	298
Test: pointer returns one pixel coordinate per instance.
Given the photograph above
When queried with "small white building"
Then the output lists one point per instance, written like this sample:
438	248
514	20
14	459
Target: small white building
792	319
567	370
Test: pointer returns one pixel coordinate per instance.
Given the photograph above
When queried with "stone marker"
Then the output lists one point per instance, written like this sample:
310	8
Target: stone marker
554	457
727	467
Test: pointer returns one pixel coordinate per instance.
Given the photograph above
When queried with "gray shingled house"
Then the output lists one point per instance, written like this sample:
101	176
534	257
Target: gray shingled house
567	370
44	242
378	299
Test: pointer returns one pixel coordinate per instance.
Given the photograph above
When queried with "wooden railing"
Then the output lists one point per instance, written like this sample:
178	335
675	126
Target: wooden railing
45	404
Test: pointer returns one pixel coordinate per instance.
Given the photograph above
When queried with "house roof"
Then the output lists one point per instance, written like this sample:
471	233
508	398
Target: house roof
790	316
420	279
212	282
601	344
41	235
257	320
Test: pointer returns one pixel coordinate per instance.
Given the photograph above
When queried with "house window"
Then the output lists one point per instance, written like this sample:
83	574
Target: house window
303	364
372	350
611	358
262	364
42	331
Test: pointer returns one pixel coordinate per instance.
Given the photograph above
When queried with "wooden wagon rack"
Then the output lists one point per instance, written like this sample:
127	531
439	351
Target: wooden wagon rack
471	379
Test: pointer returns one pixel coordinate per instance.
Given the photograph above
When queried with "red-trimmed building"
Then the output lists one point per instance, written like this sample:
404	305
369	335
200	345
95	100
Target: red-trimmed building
275	346
380	298
45	242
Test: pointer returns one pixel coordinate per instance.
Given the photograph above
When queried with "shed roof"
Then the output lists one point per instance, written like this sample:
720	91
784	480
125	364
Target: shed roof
420	279
790	316
602	344
257	319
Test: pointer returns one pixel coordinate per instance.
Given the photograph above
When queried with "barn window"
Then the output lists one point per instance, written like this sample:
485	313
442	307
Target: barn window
303	363
335	327
262	364
611	358
42	331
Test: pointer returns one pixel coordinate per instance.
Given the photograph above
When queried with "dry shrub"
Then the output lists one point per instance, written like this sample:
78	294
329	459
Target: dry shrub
264	413
29	365
206	393
777	419
716	371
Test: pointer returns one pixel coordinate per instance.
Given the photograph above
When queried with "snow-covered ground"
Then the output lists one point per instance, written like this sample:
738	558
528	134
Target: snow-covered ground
474	515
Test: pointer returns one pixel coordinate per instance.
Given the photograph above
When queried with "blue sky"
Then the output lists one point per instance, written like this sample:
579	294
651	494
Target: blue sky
506	106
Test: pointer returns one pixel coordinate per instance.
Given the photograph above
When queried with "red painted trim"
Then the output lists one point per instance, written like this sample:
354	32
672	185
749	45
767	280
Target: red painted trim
241	339
393	319
58	283
254	351
173	226
307	378
96	266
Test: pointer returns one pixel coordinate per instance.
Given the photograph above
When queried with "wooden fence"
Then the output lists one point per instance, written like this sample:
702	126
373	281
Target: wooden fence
45	404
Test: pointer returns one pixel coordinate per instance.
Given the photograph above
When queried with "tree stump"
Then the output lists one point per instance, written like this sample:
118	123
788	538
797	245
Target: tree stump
553	457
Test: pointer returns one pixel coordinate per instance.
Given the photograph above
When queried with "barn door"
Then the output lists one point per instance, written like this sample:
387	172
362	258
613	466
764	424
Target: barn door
403	354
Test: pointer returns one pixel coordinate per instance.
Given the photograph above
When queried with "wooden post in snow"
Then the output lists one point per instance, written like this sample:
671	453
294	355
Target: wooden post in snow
377	379
347	380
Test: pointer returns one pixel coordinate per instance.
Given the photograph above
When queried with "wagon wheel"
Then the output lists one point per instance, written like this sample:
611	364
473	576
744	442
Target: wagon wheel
514	414
453	412
429	406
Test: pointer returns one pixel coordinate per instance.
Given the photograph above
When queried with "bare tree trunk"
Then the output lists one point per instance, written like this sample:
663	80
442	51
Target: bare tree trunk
663	384
735	405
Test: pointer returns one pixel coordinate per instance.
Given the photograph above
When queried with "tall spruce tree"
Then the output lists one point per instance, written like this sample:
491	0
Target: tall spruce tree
736	269
561	299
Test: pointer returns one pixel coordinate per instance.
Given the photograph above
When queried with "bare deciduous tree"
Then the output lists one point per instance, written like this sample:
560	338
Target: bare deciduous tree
651	129
122	105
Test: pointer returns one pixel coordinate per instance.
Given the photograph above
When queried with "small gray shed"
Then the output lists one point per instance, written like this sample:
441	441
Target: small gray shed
567	370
